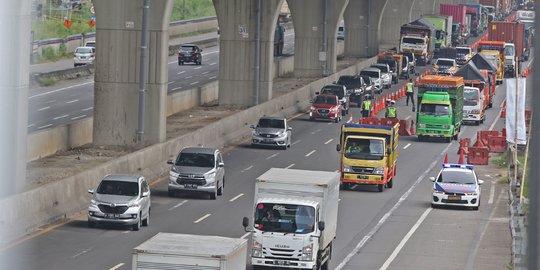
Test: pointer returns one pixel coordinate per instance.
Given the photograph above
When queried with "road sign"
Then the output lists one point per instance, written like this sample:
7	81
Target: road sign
92	10
67	23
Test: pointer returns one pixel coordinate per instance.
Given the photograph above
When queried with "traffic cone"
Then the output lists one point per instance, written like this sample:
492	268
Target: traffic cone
411	129
461	158
446	158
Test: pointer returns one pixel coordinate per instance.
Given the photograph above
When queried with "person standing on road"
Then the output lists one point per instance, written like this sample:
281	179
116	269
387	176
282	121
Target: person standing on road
366	106
410	93
391	110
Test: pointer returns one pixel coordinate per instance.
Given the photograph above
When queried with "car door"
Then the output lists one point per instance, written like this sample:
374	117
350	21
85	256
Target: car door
288	130
220	170
145	201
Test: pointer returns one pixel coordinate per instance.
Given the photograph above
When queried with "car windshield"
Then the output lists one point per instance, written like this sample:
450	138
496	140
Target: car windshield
331	100
195	160
457	177
121	188
271	123
435	109
187	48
366	79
349	81
509	51
463	51
333	91
405	61
83	50
411	40
357	148
285	218
372	74
490	9
383	69
445	63
470	97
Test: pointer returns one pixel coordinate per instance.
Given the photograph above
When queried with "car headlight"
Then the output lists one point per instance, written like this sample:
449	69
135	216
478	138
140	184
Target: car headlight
307	253
335	109
313	108
255	133
438	191
471	193
256	250
133	204
93	203
379	170
210	175
347	168
475	111
282	134
446	126
421	125
173	173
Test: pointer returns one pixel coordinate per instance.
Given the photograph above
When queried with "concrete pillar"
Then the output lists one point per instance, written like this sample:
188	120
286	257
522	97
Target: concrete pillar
422	7
116	90
396	13
237	23
14	79
308	28
362	19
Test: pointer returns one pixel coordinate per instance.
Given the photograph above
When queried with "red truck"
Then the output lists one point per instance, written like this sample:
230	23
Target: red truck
459	17
516	42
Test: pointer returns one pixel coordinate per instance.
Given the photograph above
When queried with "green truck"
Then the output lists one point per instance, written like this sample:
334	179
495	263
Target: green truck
443	27
440	107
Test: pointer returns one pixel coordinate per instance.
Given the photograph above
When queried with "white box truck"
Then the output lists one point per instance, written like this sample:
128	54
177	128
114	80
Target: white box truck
184	251
295	218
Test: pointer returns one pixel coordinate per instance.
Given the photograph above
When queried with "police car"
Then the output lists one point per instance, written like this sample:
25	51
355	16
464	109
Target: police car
456	185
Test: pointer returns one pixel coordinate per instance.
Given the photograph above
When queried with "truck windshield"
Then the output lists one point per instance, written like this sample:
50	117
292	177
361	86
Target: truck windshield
411	40
271	123
470	97
372	149
445	63
509	51
286	218
435	109
463	51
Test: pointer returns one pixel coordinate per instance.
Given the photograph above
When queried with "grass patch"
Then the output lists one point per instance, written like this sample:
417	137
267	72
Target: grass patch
503	180
501	160
46	81
190	34
192	9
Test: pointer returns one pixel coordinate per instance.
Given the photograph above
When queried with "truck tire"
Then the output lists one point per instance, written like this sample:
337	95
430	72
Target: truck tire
380	188
390	183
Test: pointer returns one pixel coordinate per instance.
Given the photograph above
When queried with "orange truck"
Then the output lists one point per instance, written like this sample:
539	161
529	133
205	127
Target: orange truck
493	51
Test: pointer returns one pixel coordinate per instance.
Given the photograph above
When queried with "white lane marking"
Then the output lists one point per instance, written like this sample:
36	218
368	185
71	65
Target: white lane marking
329	123
236	197
60	117
78	117
329	141
496	117
31	125
202	218
198	68
45	126
171	82
378	226
404	240
189	77
81	253
311	153
116	266
87	109
212	64
206	72
247	169
177	88
72	101
491	194
60	89
288	167
272	156
408	117
194	83
245	235
181	72
211	78
407	146
178	205
126	232
315	131
44	108
296	142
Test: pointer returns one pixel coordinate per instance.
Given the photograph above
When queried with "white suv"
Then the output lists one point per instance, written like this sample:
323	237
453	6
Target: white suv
84	56
120	200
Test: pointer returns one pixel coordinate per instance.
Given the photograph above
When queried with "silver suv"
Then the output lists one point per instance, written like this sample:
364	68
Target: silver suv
121	200
197	169
83	56
271	131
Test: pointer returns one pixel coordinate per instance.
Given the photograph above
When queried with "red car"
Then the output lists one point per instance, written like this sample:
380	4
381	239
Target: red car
326	107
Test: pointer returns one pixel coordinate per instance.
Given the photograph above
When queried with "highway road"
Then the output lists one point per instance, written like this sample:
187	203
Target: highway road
74	100
372	226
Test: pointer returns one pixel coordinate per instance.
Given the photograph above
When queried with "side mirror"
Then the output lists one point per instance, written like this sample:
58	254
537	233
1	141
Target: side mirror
252	126
245	223
334	82
91	191
432	179
289	128
480	182
145	194
388	152
338	147
221	165
321	225
317	93
170	162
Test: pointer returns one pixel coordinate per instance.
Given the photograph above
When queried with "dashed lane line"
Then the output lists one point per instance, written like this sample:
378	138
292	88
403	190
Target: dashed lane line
44	108
236	197
116	266
61	116
311	153
288	167
407	146
78	117
72	101
329	141
193	83
272	156
178	205
202	218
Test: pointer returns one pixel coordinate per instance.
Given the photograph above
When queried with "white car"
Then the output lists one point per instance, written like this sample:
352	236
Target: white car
84	56
456	185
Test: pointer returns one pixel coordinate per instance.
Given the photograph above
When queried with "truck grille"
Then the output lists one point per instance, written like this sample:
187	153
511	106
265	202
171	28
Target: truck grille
283	254
107	209
191	179
362	169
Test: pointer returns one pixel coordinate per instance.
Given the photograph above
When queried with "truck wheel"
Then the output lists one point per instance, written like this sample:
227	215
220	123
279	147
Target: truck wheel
380	188
213	195
390	183
477	123
136	227
324	266
456	137
448	139
170	193
146	221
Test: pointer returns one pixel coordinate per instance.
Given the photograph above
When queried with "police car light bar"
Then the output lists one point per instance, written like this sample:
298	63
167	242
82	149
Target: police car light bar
460	166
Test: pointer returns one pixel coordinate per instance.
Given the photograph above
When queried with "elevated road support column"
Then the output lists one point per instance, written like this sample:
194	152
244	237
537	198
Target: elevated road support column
395	14
308	33
237	24
116	90
362	27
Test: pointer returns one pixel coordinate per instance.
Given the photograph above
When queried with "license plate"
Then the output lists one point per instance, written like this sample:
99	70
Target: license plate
267	140
454	198
362	177
324	114
113	216
280	262
190	186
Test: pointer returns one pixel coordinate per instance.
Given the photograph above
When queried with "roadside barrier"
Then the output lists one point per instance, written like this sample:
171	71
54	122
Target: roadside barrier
497	144
464	144
374	121
479	153
411	129
390	122
462	158
503	112
485	134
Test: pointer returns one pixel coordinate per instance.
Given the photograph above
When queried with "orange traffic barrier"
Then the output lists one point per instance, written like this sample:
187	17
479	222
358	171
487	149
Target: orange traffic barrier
374	121
411	130
464	145
478	156
389	122
461	158
485	134
497	144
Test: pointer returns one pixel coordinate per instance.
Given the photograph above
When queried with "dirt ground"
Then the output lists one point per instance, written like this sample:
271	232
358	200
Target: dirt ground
71	162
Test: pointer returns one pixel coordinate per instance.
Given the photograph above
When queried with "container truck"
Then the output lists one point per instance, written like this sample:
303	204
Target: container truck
368	155
184	251
440	107
418	37
295	218
493	51
459	16
484	65
473	15
477	95
513	34
482	17
443	33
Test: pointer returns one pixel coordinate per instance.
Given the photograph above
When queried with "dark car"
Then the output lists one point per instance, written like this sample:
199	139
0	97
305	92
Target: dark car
355	86
189	53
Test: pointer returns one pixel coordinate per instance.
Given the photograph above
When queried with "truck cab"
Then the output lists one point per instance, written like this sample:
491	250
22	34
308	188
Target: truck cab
494	51
445	66
464	54
416	44
509	59
473	105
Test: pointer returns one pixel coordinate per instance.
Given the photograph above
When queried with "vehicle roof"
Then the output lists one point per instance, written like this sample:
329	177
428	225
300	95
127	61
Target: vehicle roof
200	150
456	170
370	69
84	47
441	80
189	44
273	117
327	95
379	65
287	201
122	177
279	175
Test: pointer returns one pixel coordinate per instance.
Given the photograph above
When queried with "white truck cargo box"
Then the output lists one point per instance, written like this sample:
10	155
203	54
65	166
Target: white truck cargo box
190	252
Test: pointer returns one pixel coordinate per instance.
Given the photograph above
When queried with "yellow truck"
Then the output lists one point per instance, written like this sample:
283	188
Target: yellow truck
493	51
368	155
